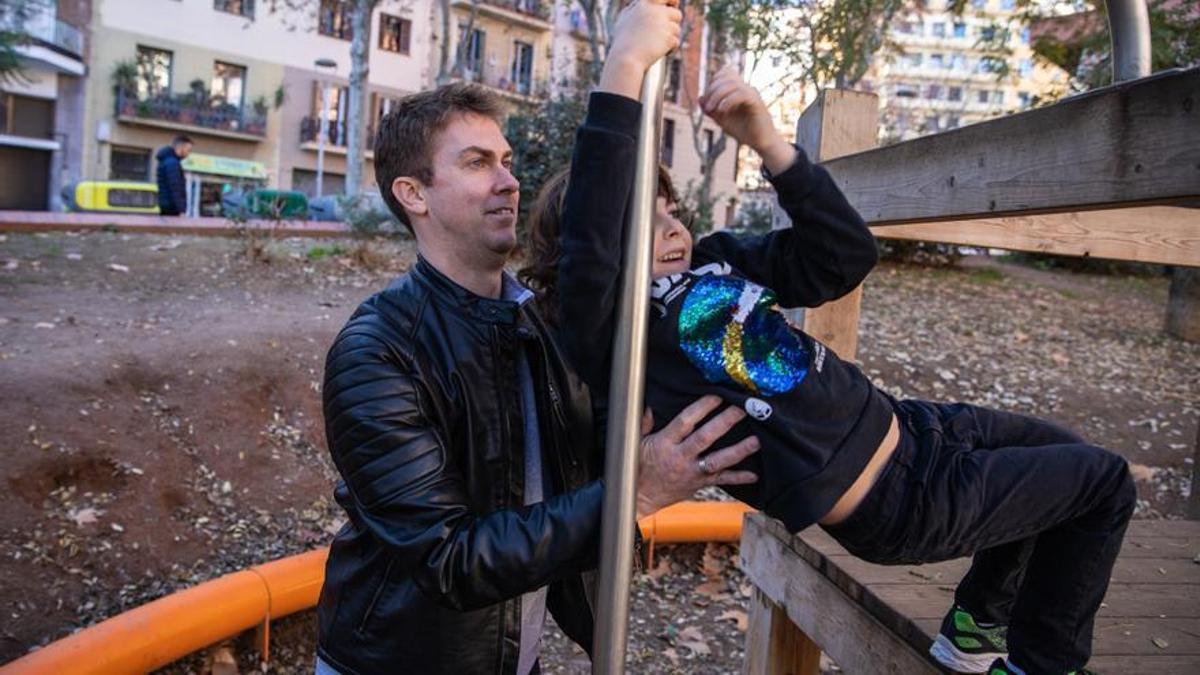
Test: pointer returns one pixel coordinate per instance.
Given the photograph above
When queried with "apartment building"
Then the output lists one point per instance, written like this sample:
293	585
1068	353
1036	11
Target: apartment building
688	71
244	83
41	108
949	71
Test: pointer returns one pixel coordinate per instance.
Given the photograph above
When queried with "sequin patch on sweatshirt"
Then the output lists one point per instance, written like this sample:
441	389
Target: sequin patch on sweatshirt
730	331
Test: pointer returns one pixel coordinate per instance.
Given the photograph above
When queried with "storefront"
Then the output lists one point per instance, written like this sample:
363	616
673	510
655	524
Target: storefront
209	177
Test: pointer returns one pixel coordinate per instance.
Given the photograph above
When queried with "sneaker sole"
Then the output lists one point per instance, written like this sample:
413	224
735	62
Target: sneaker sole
948	655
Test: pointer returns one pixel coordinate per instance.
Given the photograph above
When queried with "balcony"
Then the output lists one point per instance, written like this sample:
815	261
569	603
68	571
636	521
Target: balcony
533	14
520	91
180	112
49	40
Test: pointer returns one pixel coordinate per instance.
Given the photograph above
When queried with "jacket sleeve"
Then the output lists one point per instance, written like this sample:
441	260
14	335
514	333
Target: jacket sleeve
407	491
825	254
178	186
594	215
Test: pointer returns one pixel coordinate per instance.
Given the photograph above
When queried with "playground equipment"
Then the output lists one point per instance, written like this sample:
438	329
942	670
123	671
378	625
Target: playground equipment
163	631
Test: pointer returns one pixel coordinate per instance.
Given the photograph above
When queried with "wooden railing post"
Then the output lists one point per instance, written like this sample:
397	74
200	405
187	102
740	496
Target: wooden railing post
839	122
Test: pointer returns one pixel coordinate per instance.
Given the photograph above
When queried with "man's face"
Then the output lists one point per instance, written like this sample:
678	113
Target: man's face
183	150
672	241
473	198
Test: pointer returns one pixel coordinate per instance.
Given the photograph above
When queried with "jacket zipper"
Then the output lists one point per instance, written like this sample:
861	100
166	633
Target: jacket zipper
387	573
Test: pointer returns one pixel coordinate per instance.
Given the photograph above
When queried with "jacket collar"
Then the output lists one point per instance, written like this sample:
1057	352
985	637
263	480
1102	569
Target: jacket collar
488	310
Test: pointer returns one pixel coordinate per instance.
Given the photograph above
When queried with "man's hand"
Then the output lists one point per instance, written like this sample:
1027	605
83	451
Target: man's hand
741	113
671	468
645	31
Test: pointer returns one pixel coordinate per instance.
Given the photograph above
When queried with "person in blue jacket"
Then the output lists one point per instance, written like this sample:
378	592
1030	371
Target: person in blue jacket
172	190
1042	512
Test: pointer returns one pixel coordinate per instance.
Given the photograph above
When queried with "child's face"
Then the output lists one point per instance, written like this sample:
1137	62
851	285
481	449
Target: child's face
672	241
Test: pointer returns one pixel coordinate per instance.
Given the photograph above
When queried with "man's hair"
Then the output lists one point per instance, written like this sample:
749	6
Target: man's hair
404	142
181	139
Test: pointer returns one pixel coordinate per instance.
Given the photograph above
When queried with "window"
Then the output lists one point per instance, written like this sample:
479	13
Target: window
935	92
1026	67
228	84
987	33
1024	36
129	164
395	34
154	71
26	116
473	56
939	29
953	122
998	97
674	79
958	62
708	148
339	98
333	19
960	30
954	94
979	4
1025	99
937	61
904	90
521	72
914	60
1008	5
668	142
240	7
983	96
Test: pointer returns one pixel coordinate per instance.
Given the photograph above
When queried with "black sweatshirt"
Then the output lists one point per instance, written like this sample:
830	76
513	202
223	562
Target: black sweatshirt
717	330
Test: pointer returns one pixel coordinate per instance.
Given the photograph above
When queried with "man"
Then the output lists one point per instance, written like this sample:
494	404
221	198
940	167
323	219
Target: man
172	190
468	450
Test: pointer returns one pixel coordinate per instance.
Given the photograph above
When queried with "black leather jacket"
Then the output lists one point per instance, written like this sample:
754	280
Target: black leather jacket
423	418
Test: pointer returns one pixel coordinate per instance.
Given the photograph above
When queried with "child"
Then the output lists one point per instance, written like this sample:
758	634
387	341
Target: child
893	481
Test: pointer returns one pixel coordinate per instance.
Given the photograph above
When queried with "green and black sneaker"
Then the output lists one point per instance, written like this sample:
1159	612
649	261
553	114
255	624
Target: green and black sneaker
1001	667
967	646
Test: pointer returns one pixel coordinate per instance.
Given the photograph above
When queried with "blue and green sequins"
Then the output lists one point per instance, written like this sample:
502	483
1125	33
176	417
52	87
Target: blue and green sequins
730	331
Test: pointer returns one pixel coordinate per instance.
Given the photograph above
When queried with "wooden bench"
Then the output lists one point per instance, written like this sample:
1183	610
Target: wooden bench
811	595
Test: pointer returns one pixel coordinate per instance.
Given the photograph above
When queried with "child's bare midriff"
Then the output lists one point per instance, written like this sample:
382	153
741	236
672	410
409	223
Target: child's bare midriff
866	480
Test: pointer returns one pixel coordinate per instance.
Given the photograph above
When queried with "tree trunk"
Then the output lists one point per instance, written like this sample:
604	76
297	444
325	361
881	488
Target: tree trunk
1183	304
360	24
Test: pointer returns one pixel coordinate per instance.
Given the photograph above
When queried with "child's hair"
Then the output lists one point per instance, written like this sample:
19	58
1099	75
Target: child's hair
542	251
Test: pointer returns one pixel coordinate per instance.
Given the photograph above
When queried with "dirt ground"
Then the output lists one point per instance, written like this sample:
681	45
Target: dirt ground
161	418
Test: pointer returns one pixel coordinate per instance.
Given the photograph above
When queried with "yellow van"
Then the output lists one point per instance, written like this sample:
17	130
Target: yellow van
111	196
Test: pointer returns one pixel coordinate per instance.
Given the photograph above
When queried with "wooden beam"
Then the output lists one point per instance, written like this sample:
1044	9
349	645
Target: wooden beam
1166	235
1133	142
838	123
47	221
774	645
854	639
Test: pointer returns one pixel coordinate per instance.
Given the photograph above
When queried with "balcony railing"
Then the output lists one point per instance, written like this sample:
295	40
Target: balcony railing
535	8
44	26
183	109
532	88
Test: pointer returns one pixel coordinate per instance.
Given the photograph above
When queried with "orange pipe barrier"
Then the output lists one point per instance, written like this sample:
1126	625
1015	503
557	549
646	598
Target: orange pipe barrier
165	630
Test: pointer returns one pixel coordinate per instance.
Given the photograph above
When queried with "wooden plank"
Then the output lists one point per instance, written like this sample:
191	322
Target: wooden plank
1121	636
1133	142
774	645
838	123
1127	571
1166	235
853	638
917	601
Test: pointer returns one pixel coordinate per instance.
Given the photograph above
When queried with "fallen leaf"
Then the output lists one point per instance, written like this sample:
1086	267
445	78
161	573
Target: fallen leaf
1161	643
660	570
713	564
118	268
85	516
671	655
712	588
1142	473
693	639
738	617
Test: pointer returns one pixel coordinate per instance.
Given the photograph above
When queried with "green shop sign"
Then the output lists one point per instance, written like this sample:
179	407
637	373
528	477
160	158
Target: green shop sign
224	166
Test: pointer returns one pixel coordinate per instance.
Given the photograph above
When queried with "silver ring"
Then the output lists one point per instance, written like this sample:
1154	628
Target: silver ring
704	467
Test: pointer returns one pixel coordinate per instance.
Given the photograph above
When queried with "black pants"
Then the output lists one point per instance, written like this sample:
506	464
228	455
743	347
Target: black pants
1042	512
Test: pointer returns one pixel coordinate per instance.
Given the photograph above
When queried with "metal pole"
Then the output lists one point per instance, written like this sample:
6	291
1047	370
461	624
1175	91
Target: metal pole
1129	28
626	395
322	134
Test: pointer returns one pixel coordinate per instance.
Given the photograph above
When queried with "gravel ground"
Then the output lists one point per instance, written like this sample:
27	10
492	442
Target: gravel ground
130	479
